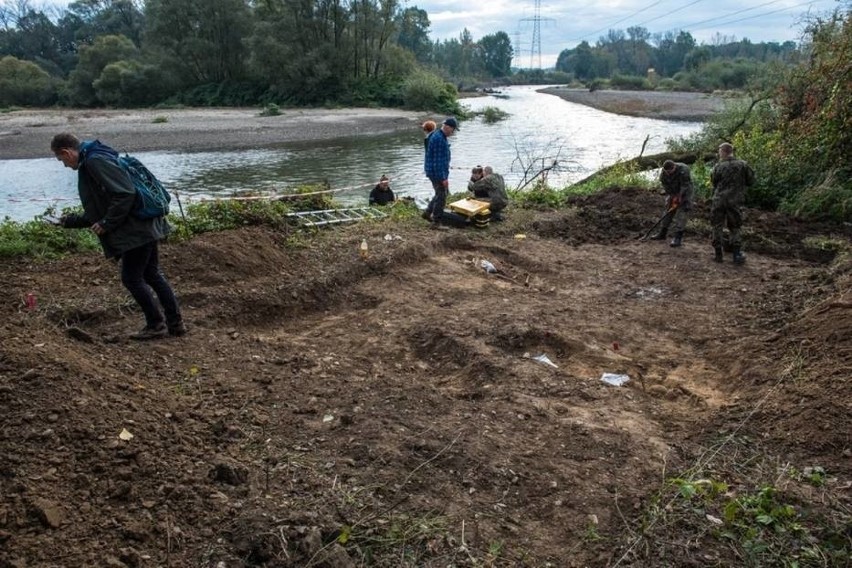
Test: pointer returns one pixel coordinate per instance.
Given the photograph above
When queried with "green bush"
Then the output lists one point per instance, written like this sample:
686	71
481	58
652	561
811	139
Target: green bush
829	199
232	213
629	83
538	196
271	109
667	84
24	83
426	91
491	114
619	175
597	85
130	83
40	239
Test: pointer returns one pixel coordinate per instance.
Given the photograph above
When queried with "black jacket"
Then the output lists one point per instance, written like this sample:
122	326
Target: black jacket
381	196
108	196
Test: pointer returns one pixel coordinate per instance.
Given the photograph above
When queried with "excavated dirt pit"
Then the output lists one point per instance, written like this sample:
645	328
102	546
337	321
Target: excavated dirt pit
327	410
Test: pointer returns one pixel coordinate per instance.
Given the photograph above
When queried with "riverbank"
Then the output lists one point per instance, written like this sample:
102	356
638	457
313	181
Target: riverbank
693	107
27	133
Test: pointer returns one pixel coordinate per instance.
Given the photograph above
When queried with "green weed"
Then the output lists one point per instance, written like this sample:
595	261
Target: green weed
538	196
619	175
271	109
41	239
491	114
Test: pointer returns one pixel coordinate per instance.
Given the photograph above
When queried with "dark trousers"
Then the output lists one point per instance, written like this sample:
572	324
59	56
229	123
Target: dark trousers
438	201
140	273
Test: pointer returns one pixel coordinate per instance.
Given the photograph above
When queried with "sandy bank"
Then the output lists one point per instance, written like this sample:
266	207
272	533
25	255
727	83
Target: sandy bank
646	104
27	133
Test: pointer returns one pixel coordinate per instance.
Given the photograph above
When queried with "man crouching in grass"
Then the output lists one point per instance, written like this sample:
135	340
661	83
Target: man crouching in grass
108	198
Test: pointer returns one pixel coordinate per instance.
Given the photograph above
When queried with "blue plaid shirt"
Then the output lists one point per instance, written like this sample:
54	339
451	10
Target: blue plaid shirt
437	166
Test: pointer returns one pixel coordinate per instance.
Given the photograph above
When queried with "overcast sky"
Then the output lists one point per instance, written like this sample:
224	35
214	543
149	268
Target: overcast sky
565	23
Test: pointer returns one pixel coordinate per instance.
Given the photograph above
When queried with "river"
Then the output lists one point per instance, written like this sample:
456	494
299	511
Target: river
539	129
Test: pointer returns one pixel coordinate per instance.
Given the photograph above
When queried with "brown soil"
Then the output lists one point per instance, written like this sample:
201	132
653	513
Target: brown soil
645	104
329	410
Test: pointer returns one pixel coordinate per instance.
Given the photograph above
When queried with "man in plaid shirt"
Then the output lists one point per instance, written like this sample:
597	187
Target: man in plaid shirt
437	168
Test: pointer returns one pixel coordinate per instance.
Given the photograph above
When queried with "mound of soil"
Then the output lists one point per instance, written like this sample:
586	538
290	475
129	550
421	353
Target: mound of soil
330	410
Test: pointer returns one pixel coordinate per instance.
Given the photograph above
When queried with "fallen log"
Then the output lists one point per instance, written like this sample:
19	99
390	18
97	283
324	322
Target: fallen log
654	161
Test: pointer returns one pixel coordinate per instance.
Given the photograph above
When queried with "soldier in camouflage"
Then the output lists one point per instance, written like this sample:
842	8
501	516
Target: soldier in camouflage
489	186
676	180
729	177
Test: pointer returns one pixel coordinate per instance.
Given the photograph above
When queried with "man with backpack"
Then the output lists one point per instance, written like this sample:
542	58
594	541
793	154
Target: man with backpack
109	201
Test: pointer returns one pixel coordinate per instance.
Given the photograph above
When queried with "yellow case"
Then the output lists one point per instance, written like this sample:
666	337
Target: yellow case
470	207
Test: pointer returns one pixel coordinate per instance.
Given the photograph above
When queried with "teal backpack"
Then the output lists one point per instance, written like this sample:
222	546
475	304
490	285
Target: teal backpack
152	199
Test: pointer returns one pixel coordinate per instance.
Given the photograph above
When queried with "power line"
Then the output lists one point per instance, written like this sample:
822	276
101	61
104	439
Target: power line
738	20
691	27
608	27
733	13
669	13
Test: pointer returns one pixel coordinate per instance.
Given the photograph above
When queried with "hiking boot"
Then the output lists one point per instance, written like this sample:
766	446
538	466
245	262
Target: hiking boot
718	256
147	332
177	329
677	240
661	235
438	227
739	257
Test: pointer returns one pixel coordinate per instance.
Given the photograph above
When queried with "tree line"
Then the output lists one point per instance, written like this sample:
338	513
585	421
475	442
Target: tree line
673	60
236	52
310	52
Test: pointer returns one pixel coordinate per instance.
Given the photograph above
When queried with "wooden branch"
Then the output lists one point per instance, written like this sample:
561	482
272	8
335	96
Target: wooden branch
651	162
543	171
742	121
645	143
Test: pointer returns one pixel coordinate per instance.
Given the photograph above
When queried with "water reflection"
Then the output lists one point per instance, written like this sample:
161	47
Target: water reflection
539	126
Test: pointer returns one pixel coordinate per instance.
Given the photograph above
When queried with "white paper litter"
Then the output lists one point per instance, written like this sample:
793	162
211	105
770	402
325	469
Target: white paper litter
614	379
545	360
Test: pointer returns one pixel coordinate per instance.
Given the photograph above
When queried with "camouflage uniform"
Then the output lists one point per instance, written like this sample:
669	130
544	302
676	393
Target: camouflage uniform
730	177
492	189
677	183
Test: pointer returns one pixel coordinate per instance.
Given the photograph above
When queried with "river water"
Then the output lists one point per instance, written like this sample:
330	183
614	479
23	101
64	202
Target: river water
540	128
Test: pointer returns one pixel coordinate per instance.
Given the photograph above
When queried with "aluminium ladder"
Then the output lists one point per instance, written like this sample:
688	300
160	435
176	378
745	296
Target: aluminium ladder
335	216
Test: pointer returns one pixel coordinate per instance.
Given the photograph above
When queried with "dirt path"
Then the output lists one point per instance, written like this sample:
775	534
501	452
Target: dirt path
331	411
27	133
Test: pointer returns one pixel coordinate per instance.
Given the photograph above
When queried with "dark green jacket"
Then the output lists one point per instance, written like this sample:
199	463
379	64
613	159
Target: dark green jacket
108	196
491	188
678	182
730	178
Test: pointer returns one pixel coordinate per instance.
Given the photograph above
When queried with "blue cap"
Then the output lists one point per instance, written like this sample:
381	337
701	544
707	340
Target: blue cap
452	123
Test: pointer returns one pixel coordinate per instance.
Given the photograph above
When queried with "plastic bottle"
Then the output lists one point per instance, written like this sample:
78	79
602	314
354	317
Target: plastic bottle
363	249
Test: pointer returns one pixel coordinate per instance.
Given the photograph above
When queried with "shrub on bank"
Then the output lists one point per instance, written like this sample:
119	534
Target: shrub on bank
40	239
630	83
426	91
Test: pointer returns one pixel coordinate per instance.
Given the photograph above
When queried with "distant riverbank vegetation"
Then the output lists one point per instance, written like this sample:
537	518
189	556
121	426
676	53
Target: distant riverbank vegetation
130	53
795	126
